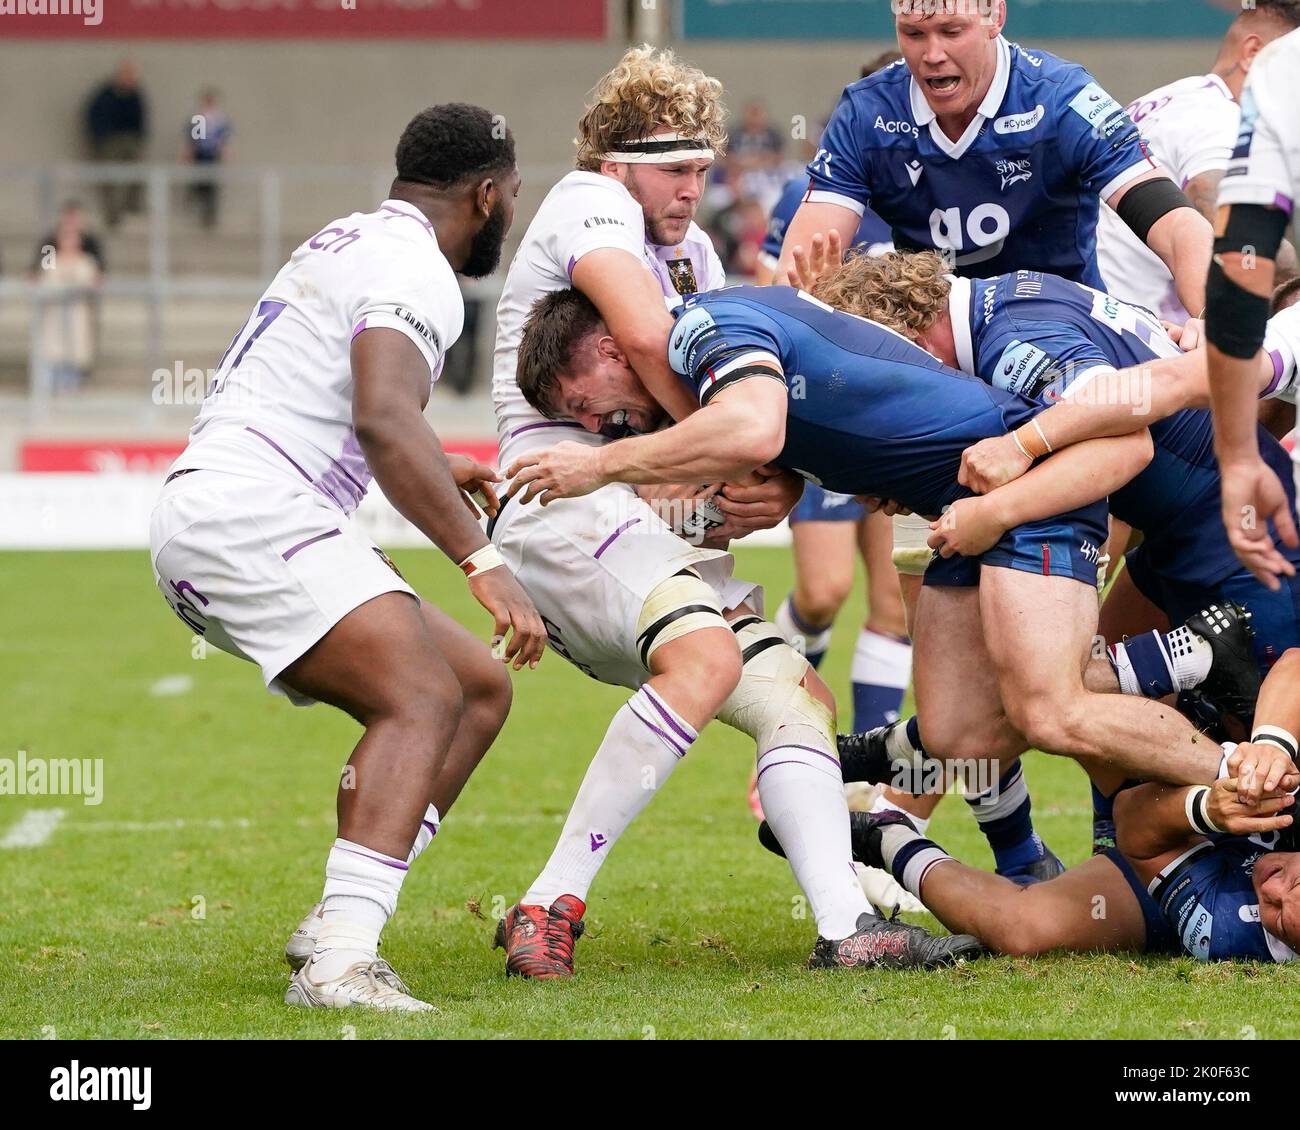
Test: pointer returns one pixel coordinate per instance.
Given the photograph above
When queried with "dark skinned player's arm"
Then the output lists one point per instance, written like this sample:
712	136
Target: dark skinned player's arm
631	303
1152	822
390	379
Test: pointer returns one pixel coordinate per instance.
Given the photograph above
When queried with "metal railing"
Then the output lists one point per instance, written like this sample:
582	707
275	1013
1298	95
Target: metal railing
318	193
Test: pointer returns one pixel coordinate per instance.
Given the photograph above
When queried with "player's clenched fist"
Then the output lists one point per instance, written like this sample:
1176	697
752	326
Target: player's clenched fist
514	617
566	470
968	527
992	463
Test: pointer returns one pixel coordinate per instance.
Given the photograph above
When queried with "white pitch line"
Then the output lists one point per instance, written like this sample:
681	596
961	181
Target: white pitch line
33	828
476	819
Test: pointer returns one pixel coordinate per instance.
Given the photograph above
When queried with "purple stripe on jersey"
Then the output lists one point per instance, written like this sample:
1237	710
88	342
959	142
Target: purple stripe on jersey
361	325
398	212
1279	367
281	450
669	740
676	726
377	859
1285	203
543	424
310	541
573	262
610	540
807	749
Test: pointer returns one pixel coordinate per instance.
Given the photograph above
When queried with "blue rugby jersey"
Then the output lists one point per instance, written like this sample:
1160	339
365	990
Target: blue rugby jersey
1020	189
869	412
1040	336
873	233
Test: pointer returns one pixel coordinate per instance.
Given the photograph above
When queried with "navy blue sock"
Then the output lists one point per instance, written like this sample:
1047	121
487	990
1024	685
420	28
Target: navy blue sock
1004	818
1149	664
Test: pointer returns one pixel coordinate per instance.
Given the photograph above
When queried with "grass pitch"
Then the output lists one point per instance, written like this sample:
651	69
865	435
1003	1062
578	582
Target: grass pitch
161	912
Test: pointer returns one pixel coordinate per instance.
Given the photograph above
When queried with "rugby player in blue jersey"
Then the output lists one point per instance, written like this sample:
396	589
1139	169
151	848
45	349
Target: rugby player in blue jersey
1208	870
1050	339
995	155
783	378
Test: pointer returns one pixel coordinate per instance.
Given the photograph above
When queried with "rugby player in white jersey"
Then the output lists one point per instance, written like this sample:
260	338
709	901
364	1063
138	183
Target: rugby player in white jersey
1256	202
254	546
624	598
1190	127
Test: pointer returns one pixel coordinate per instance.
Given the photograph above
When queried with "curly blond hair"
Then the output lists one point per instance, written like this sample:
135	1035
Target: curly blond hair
904	290
650	89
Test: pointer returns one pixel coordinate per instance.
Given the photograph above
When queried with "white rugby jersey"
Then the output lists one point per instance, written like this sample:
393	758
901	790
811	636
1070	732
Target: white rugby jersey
1265	167
1190	127
281	401
583	212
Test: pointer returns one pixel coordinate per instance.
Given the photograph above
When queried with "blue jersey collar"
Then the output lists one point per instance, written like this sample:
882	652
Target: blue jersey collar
989	108
959	312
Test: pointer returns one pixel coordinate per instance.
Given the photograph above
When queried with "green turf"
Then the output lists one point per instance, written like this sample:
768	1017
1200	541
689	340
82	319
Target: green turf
225	795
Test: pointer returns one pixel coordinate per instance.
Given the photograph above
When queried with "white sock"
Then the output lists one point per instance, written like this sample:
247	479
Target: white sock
802	791
881	661
429	826
883	804
804	639
909	873
642	746
1190	657
361	889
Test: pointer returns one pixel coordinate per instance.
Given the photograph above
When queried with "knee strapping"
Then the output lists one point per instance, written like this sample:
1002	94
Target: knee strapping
772	691
675	608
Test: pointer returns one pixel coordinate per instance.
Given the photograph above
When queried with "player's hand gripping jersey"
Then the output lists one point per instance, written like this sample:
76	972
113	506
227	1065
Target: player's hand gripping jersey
582	213
1020	188
280	405
1045	337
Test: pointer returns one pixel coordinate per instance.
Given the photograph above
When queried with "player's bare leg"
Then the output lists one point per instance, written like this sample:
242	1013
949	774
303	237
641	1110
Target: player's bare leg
691	677
486	694
969	732
1088	908
1040	639
380	664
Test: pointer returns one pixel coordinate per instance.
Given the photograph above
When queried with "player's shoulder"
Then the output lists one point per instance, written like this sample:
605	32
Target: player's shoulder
1276	71
1033	67
394	238
591	199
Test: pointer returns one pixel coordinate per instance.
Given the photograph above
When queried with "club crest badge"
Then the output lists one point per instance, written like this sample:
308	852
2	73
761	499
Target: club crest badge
682	272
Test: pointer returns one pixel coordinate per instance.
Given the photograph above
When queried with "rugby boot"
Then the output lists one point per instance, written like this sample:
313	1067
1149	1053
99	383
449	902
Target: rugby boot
539	942
886	943
1234	681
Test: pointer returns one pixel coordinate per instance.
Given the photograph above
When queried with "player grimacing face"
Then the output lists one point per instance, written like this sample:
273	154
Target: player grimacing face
952	57
1277	885
669	196
603	394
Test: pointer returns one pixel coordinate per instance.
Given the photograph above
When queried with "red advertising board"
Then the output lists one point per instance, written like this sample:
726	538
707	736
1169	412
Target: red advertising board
304	19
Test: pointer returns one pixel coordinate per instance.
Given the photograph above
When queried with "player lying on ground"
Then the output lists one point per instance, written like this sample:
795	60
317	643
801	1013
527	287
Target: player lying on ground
1055	340
1211	870
254	546
625	599
785	378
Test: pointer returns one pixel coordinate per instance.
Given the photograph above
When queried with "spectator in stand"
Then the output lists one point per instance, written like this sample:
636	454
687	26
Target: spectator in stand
207	143
757	144
117	122
67	268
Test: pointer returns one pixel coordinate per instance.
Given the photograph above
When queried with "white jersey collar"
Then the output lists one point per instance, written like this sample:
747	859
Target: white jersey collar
959	313
925	115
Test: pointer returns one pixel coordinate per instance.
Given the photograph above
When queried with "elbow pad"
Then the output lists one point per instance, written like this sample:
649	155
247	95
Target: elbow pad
1235	319
1150	201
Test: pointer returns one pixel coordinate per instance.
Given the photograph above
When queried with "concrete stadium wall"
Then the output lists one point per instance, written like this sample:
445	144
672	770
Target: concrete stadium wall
339	103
